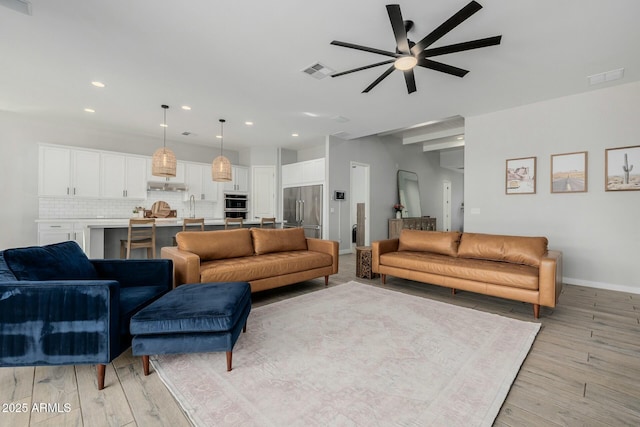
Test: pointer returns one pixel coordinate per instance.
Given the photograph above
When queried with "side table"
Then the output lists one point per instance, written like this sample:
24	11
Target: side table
363	263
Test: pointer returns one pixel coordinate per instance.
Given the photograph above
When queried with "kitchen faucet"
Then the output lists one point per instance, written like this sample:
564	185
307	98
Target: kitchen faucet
192	206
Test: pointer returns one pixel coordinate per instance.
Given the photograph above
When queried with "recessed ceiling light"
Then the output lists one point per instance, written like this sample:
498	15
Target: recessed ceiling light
460	138
98	84
248	123
186	107
162	125
219	136
306	113
89	110
294	134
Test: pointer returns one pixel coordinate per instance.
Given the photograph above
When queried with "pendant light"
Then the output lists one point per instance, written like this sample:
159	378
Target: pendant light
164	161
221	167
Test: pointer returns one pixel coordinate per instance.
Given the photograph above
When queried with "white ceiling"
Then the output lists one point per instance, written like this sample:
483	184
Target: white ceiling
242	60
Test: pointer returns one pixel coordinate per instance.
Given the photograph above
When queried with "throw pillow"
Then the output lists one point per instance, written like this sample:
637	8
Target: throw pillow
438	242
279	240
515	249
60	261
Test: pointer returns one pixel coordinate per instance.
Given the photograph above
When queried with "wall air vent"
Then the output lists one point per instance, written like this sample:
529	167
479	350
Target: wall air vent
318	71
605	77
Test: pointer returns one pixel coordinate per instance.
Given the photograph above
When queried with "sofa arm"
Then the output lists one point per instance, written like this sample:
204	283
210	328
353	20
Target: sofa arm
325	246
59	322
550	278
136	272
381	247
186	265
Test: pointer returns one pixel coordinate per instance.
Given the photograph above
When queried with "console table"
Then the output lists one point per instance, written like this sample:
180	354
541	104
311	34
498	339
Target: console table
417	223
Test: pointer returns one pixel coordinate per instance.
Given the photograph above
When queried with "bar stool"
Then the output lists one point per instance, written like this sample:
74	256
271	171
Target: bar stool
141	234
190	222
233	222
267	223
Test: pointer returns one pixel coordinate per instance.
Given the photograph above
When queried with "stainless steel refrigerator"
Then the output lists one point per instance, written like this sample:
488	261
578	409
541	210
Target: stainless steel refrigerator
302	207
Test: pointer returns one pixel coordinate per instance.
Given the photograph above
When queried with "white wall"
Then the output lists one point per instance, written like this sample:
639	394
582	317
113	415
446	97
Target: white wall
598	231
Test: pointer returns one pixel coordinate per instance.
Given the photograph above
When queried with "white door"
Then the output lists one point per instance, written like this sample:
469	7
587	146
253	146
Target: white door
446	206
263	191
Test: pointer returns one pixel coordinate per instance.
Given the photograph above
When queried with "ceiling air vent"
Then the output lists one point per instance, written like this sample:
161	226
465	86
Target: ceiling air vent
318	71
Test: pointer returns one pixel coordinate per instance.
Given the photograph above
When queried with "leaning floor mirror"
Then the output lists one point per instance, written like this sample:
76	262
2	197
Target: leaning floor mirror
409	194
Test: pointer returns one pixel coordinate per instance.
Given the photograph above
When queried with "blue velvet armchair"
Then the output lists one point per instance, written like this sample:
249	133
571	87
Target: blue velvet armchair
57	307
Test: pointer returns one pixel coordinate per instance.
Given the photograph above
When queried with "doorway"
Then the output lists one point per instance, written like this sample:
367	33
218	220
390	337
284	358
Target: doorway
359	190
446	206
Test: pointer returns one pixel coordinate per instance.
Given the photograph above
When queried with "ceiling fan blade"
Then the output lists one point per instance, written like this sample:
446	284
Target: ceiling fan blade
410	79
365	48
439	66
459	47
377	64
399	30
379	79
445	27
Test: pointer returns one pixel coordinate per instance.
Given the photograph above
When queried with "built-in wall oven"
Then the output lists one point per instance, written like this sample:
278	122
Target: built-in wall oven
236	206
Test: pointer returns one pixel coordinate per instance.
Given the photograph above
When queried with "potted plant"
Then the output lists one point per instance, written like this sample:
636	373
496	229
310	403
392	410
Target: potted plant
398	208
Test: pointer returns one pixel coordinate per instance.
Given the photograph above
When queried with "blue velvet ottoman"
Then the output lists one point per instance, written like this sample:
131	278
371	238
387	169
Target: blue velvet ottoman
197	318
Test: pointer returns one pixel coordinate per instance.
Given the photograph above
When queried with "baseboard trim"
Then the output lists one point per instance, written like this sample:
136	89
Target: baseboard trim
345	251
602	285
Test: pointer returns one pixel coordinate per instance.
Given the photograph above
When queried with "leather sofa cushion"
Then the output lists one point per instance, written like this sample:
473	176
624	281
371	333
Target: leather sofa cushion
494	272
59	261
439	242
515	249
212	245
274	264
266	241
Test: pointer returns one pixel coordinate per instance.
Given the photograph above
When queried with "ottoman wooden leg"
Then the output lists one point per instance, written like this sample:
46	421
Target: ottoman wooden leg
244	329
228	361
145	365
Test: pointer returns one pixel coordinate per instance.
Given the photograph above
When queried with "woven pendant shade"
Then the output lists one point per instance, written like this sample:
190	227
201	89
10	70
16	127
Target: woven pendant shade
164	161
221	169
221	166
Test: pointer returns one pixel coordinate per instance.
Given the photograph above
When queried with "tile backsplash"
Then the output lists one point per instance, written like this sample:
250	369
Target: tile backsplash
65	207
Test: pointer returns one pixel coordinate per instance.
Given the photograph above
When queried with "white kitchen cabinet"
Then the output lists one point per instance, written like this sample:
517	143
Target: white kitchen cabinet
201	186
239	180
303	173
123	176
179	178
66	172
56	232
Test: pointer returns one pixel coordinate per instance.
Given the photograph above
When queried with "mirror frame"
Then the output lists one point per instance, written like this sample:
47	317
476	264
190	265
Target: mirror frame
401	178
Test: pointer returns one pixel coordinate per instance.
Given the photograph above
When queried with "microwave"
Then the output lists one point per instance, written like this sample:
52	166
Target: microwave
235	203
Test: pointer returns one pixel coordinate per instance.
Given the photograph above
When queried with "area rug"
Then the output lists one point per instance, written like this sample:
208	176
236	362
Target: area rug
355	355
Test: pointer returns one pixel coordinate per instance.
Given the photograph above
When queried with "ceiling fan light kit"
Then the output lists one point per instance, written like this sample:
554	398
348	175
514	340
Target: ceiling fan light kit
409	54
164	162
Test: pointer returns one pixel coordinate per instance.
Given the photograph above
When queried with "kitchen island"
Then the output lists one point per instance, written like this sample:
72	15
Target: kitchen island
100	237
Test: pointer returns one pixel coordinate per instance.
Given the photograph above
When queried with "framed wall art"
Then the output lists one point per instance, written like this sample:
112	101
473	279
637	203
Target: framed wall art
622	168
521	176
569	172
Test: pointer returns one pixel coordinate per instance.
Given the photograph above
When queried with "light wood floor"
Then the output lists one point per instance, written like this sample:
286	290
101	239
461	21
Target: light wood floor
583	369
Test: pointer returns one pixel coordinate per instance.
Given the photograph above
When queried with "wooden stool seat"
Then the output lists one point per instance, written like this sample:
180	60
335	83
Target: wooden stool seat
267	223
233	222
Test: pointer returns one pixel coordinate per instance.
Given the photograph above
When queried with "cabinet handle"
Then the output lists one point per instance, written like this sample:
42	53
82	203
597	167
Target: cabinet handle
74	191
55	226
67	191
202	196
68	236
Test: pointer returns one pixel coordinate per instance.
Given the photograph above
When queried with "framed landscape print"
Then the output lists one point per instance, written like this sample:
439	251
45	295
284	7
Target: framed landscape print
521	176
622	168
569	172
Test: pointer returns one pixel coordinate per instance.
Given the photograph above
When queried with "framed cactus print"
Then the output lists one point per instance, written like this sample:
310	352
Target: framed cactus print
622	168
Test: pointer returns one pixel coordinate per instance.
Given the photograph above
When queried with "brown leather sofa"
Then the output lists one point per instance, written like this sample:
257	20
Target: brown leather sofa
513	267
266	258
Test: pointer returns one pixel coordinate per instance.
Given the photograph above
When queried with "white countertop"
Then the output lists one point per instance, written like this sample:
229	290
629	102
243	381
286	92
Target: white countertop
124	222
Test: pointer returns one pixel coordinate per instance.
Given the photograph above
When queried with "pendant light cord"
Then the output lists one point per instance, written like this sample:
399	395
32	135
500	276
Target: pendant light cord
221	135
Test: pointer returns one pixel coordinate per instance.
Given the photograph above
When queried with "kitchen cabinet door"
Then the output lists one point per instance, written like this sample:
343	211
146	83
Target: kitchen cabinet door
54	171
85	173
123	176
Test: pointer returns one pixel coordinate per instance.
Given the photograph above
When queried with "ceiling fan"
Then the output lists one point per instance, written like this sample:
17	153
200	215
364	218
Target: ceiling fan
409	54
